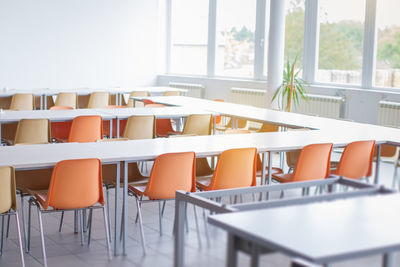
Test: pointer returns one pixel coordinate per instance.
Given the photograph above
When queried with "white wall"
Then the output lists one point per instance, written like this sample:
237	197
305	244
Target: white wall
78	43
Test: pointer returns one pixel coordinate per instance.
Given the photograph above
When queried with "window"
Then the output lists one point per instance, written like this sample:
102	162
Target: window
340	41
235	38
294	31
387	72
189	33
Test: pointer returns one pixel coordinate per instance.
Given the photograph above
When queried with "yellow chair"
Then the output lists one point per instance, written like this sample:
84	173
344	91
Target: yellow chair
8	204
99	100
22	102
67	100
136	94
33	131
172	93
198	125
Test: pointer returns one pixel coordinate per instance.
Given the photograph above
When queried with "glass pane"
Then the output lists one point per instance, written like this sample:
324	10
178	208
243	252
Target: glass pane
189	34
388	54
340	41
236	21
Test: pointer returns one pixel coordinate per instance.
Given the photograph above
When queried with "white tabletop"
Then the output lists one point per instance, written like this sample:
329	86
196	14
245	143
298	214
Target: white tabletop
7	116
347	228
166	112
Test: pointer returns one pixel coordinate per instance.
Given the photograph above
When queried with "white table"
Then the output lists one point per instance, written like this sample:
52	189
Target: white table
12	116
321	233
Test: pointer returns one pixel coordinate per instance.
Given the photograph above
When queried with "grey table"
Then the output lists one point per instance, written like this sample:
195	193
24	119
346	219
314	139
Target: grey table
320	233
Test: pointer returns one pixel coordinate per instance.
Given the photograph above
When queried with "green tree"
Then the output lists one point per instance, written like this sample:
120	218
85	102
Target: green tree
389	47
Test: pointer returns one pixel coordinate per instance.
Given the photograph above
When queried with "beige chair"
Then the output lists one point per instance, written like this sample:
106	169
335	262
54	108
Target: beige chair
22	102
241	124
33	131
140	127
172	93
99	100
8	203
137	94
67	100
198	125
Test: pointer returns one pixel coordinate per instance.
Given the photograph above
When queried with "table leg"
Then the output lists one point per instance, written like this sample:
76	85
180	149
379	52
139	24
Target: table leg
388	260
264	167
117	212
41	102
178	124
111	128
118	122
231	257
125	205
45	102
0	133
214	124
378	163
255	255
180	215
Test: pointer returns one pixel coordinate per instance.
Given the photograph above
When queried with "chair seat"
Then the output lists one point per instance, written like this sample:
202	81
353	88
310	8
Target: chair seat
111	184
41	196
137	188
283	177
203	182
274	170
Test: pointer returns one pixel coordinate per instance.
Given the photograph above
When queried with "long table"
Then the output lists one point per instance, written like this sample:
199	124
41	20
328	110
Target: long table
319	232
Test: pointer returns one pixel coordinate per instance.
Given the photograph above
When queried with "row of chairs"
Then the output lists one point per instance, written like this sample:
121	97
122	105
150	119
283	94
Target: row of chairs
94	100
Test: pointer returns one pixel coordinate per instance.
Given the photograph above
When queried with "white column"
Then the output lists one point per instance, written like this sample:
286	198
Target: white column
276	48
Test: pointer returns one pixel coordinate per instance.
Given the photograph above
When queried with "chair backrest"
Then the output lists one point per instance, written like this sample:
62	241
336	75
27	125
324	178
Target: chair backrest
99	100
163	126
266	128
313	162
140	127
136	94
33	131
60	108
8	198
67	100
198	125
171	172
356	160
75	184
147	101
86	129
22	102
172	93
235	168
241	123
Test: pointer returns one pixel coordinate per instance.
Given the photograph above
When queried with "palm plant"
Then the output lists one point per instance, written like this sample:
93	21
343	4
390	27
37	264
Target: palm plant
291	89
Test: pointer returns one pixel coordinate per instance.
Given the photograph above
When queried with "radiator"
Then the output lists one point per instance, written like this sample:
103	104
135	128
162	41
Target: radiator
194	90
389	113
322	105
251	97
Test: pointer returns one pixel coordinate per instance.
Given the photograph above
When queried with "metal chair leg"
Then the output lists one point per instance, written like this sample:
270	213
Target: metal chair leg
159	217
61	221
138	206
28	243
163	208
42	236
395	176
108	210
21	249
106	228
8	225
89	224
81	220
2	234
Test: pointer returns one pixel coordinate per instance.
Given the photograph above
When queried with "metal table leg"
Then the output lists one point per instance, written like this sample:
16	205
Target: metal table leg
111	128
117	211
125	206
231	256
180	215
378	163
118	122
388	260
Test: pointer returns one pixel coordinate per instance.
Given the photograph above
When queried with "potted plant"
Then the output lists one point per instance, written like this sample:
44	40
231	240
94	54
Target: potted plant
291	89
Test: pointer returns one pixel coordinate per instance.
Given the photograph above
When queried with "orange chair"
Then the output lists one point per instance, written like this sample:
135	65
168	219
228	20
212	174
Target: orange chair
356	160
163	126
106	124
60	129
86	129
170	172
313	164
75	185
235	168
218	118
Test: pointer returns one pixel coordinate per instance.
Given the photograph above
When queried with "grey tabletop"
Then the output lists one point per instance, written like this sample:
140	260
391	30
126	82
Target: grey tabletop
322	232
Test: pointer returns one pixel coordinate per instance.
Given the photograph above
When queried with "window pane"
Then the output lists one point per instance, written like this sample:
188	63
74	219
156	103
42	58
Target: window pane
236	21
341	41
189	34
388	54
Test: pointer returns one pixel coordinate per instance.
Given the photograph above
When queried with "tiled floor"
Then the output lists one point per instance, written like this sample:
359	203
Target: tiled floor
64	249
